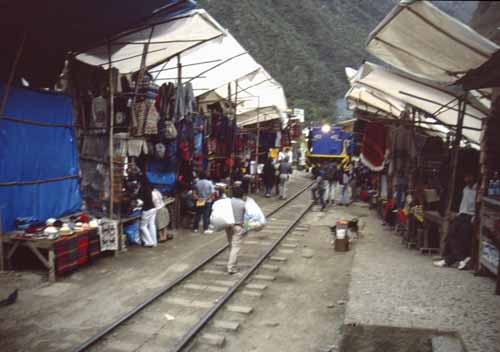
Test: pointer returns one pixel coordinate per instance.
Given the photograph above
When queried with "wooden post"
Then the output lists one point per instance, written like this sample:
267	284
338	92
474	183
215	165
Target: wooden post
111	126
258	137
2	267
462	104
12	73
177	204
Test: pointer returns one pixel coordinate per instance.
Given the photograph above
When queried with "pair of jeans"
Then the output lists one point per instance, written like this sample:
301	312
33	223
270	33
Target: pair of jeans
205	212
319	194
344	194
284	185
332	185
269	189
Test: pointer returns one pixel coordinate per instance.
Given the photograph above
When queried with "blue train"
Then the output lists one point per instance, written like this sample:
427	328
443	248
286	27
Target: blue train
328	143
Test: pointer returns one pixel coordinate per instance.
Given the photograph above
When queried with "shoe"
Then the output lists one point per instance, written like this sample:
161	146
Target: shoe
463	264
440	263
208	232
232	271
195	231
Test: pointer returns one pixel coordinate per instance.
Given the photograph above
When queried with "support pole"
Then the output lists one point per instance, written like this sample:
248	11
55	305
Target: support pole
230	113
454	162
111	127
12	73
258	138
177	205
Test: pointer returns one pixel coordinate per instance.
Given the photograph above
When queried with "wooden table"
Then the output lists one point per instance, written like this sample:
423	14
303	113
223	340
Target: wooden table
430	218
43	249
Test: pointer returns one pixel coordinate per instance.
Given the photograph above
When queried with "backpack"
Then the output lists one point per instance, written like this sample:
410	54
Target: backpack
331	172
170	130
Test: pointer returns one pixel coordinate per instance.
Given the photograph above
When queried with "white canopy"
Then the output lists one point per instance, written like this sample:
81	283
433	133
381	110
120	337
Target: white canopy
209	65
435	100
418	38
167	39
257	92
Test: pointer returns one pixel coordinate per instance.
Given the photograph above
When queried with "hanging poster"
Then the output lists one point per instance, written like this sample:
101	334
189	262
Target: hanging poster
108	234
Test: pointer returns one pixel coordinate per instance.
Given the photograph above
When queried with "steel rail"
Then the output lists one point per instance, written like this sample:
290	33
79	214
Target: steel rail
193	331
108	329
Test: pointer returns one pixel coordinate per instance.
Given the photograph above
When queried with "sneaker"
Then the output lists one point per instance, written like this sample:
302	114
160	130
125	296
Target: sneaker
208	232
195	231
439	263
463	264
232	271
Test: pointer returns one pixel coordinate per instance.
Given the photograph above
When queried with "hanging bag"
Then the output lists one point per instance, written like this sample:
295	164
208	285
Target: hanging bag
170	130
222	214
255	220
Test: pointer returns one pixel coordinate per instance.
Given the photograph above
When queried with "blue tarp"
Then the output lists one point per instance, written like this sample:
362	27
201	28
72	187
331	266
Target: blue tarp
31	152
330	143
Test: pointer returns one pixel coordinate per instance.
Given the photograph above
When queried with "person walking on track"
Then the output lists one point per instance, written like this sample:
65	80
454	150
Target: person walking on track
268	177
285	173
235	233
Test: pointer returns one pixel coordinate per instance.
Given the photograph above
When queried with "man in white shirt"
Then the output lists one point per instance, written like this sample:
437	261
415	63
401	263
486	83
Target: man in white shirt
459	240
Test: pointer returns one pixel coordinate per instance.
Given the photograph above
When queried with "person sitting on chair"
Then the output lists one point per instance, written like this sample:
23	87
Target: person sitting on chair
458	242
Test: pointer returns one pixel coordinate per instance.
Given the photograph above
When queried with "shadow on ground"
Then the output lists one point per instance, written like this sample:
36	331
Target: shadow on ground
365	338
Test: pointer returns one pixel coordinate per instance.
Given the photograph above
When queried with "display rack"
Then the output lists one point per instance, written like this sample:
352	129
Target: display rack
489	235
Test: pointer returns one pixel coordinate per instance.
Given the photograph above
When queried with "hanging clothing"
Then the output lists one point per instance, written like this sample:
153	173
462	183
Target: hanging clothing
152	118
180	107
403	150
190	100
99	112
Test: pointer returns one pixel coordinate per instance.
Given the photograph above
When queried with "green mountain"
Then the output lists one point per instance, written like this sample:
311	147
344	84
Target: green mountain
306	44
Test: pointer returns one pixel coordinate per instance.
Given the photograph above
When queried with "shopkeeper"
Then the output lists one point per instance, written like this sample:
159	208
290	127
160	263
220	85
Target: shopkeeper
458	243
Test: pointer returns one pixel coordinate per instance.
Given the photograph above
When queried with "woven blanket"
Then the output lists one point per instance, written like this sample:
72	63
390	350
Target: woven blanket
74	251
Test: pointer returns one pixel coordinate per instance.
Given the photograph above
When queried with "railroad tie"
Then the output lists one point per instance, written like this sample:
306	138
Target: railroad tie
240	309
265	277
278	259
226	325
250	293
212	340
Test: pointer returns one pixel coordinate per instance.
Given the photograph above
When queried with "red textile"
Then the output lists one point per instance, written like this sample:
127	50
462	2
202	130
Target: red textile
373	149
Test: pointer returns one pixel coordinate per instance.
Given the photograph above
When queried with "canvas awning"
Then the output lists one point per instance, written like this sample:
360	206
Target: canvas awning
167	38
435	100
420	39
364	98
256	91
209	65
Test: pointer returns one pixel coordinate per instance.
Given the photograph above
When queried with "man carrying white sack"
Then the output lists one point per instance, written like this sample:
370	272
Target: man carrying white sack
235	232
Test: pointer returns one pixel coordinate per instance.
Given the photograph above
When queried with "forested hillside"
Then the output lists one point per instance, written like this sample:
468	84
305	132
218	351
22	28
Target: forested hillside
306	44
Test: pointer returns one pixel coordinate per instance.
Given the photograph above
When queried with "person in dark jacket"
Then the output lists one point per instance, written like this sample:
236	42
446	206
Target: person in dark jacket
268	176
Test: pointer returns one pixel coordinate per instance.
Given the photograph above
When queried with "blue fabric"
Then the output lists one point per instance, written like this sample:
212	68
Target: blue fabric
131	230
30	152
162	175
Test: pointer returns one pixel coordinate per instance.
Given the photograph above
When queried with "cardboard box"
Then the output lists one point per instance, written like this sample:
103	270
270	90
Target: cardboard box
341	245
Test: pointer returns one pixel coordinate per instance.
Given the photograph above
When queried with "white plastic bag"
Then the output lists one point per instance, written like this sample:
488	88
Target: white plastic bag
255	220
222	214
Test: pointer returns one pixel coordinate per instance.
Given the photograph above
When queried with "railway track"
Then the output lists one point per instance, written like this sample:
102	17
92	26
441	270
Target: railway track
175	318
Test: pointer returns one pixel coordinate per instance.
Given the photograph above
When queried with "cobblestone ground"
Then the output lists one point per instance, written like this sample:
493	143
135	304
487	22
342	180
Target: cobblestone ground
394	286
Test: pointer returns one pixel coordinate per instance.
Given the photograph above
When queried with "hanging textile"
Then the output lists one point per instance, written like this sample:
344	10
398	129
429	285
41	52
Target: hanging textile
373	150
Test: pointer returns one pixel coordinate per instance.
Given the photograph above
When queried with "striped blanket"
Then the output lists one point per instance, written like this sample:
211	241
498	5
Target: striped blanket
74	251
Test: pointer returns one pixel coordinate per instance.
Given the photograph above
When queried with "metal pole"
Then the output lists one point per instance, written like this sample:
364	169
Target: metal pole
111	126
12	73
454	162
258	136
